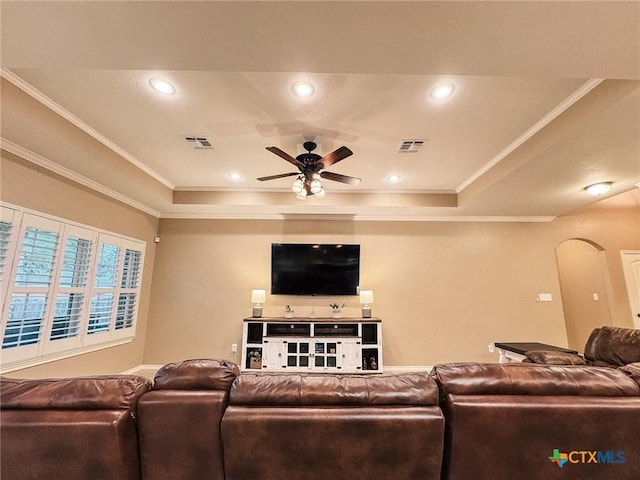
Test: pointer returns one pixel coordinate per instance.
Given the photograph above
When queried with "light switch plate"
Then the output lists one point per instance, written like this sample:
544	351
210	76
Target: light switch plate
545	297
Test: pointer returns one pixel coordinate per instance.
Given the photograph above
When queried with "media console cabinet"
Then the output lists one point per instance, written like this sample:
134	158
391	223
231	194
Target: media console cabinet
332	345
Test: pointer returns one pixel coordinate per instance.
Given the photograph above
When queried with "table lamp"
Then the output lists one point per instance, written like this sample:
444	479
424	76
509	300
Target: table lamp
258	297
366	298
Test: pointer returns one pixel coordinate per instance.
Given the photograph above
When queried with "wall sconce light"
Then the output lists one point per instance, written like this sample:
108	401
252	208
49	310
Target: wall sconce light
366	298
258	297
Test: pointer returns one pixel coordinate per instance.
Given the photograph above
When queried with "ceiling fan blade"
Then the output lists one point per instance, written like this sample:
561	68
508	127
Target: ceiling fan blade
282	175
285	156
336	177
335	156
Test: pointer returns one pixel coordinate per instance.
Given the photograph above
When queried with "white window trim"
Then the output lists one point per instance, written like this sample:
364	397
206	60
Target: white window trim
47	350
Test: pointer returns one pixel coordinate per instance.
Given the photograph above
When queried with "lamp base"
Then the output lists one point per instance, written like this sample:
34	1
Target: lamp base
257	312
366	312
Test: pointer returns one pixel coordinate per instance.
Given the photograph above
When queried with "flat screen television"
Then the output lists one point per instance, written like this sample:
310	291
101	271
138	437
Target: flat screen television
315	269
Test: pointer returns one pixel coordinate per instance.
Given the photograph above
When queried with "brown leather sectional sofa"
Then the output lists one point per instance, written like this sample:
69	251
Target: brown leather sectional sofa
203	420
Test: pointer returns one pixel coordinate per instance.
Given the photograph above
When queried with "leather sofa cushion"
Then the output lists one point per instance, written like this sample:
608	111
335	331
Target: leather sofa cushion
309	390
614	345
81	393
554	358
633	370
197	374
532	379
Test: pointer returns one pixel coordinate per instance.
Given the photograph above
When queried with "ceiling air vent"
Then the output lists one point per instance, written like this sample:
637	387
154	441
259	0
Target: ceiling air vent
410	146
199	143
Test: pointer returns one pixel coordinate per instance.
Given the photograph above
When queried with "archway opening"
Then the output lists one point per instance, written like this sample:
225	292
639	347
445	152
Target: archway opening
583	274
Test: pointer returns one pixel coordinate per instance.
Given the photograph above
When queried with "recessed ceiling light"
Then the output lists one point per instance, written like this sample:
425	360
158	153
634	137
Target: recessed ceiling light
394	178
302	89
598	188
440	92
235	176
162	86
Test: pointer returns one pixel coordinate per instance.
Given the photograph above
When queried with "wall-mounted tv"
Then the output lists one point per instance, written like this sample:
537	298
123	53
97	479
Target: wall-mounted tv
315	269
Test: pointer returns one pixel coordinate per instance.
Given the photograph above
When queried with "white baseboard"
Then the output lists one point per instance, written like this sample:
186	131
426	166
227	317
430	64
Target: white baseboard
406	369
140	368
387	368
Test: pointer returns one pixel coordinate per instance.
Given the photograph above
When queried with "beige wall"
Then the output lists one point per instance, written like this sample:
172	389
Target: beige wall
31	187
444	290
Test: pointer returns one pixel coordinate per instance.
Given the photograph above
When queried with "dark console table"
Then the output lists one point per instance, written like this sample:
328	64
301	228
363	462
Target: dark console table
515	351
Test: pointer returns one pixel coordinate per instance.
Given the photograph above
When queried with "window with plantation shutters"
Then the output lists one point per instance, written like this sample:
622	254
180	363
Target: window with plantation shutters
70	290
102	310
128	297
70	297
7	238
66	288
30	293
5	234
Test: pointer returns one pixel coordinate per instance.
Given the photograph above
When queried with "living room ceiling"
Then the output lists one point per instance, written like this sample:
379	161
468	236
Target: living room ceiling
546	101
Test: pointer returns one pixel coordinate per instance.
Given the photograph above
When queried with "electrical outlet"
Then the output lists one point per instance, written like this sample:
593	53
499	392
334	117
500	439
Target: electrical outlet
492	348
545	297
234	347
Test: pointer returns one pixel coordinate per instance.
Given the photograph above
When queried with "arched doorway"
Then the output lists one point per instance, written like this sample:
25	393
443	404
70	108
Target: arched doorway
583	273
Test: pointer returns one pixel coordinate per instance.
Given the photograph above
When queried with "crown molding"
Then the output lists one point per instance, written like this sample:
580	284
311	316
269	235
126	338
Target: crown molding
535	128
47	102
353	217
65	172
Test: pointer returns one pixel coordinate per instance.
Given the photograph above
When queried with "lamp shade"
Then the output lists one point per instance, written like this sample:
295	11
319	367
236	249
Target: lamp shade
366	296
258	296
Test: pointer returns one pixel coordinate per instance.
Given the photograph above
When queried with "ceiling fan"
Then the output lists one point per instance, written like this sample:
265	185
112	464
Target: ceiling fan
311	168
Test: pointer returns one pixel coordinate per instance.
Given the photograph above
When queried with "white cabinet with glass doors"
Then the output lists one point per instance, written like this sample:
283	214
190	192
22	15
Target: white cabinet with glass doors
350	345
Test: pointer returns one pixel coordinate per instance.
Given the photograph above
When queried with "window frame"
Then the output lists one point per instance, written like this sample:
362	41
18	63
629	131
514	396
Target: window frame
48	349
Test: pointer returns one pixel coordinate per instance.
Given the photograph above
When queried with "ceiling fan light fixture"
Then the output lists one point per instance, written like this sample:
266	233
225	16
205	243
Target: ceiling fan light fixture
298	186
302	194
598	189
440	92
315	186
162	86
302	89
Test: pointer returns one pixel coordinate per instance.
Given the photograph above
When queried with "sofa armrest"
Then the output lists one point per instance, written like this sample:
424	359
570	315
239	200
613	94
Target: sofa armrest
633	371
548	357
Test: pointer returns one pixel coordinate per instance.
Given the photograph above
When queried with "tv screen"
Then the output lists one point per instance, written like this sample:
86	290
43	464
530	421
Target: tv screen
314	269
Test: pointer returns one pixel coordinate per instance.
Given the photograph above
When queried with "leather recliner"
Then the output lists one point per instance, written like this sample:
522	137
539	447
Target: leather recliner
606	347
508	420
179	420
317	427
70	429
